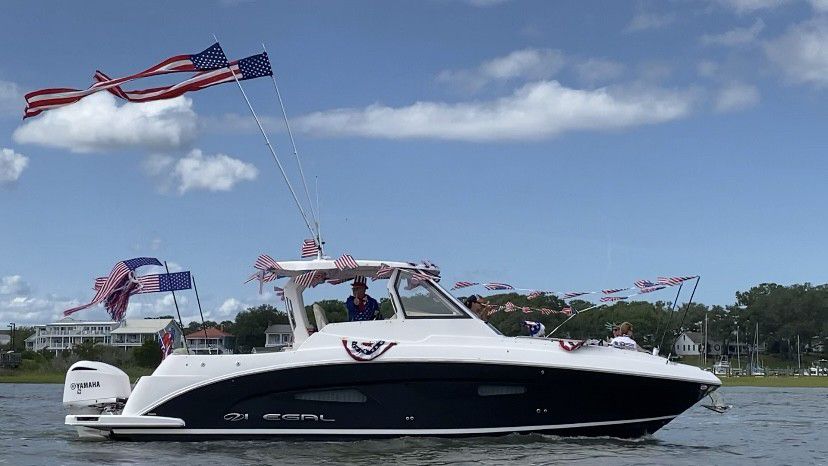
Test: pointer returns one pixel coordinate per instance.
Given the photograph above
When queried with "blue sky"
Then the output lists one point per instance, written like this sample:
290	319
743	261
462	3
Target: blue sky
551	145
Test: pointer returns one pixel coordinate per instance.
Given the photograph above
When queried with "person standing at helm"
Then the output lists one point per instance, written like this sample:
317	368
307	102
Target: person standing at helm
361	306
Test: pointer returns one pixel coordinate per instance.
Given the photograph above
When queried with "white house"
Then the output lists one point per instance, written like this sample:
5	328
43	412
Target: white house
5	337
688	344
278	336
134	332
68	332
210	341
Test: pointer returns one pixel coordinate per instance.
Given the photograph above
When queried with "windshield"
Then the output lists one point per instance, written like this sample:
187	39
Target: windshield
421	299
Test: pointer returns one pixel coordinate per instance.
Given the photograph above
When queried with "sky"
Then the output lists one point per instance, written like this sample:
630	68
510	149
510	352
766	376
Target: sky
573	145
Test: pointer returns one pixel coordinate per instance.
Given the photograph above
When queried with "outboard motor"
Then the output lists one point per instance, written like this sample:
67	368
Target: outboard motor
95	388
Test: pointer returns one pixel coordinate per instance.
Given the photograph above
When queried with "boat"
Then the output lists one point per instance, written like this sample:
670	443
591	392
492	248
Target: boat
755	368
722	367
818	367
432	369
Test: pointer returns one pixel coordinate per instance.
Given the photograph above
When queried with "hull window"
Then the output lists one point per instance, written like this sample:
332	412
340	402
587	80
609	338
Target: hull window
333	396
496	390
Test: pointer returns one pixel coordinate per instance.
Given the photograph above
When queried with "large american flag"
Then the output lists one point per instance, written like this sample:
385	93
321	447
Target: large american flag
117	280
310	248
165	282
210	59
251	67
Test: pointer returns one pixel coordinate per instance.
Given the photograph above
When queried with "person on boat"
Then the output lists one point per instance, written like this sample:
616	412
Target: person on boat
478	305
624	339
361	306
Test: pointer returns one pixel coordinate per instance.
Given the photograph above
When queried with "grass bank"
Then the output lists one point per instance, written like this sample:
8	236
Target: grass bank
775	381
39	376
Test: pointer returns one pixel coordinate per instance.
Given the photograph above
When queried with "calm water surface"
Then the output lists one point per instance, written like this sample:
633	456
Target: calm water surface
765	426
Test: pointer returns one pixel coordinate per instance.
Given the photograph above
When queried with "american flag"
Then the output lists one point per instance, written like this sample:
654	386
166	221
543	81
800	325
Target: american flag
280	292
164	282
251	67
166	339
210	59
526	310
265	262
545	311
510	307
310	248
459	285
117	280
346	262
644	283
613	290
535	294
650	289
424	276
609	299
384	272
671	281
310	279
567	311
573	294
498	286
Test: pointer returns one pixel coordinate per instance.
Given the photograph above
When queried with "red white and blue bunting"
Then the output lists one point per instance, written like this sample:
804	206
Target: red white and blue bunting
366	350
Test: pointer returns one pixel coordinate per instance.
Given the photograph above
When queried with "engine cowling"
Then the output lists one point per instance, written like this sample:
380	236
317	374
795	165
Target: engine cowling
92	387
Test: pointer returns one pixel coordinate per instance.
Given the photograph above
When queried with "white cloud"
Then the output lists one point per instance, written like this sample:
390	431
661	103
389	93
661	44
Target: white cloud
736	96
11	98
230	307
820	6
520	64
707	68
750	6
643	21
737	36
801	54
97	124
598	70
24	309
14	285
535	111
198	171
12	165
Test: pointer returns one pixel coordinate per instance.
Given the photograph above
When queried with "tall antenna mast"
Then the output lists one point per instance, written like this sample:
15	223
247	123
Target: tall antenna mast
298	160
272	151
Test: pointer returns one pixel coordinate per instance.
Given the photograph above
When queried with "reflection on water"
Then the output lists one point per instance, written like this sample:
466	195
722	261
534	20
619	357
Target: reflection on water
765	426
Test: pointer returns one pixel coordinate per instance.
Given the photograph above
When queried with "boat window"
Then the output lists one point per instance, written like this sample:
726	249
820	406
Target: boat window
495	390
421	299
335	396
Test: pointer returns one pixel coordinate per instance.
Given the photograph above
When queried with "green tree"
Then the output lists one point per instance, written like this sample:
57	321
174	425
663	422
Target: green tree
148	354
249	328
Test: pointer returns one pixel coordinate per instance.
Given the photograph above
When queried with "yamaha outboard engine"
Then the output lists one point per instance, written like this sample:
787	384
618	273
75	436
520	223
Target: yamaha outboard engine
95	388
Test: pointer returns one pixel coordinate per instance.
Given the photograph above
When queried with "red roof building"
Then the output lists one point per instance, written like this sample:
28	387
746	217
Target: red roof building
216	341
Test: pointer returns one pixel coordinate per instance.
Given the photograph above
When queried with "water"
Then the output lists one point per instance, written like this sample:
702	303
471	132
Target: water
766	426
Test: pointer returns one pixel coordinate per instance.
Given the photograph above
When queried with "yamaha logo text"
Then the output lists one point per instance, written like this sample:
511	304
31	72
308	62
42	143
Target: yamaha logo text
79	386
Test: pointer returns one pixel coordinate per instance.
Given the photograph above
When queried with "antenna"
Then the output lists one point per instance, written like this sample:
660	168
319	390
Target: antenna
270	147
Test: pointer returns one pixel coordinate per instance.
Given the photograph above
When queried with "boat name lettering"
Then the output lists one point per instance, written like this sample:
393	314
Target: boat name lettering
78	387
296	417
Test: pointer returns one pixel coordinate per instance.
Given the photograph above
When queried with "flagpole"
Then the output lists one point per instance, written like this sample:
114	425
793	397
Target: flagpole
296	155
319	219
195	288
180	322
270	147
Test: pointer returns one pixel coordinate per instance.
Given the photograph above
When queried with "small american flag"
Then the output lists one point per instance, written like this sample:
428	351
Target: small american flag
671	281
545	311
535	294
346	262
609	299
421	276
644	283
459	285
384	271
566	311
613	290
210	59
498	286
510	307
265	262
338	281
526	310
573	294
310	279
280	292
166	339
650	289
310	248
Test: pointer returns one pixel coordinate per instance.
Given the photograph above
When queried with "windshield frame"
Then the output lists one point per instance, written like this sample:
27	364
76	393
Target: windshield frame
448	298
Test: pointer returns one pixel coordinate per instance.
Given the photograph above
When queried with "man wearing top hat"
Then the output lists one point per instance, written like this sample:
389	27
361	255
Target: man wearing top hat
361	306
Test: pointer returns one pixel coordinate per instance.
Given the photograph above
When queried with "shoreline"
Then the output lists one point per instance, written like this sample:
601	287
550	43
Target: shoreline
746	381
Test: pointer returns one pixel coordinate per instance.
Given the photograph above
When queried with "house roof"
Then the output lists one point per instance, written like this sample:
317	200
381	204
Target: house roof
279	328
212	332
142	326
696	337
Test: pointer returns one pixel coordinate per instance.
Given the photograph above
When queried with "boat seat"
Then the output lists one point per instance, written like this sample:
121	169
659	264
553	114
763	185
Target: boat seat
319	316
